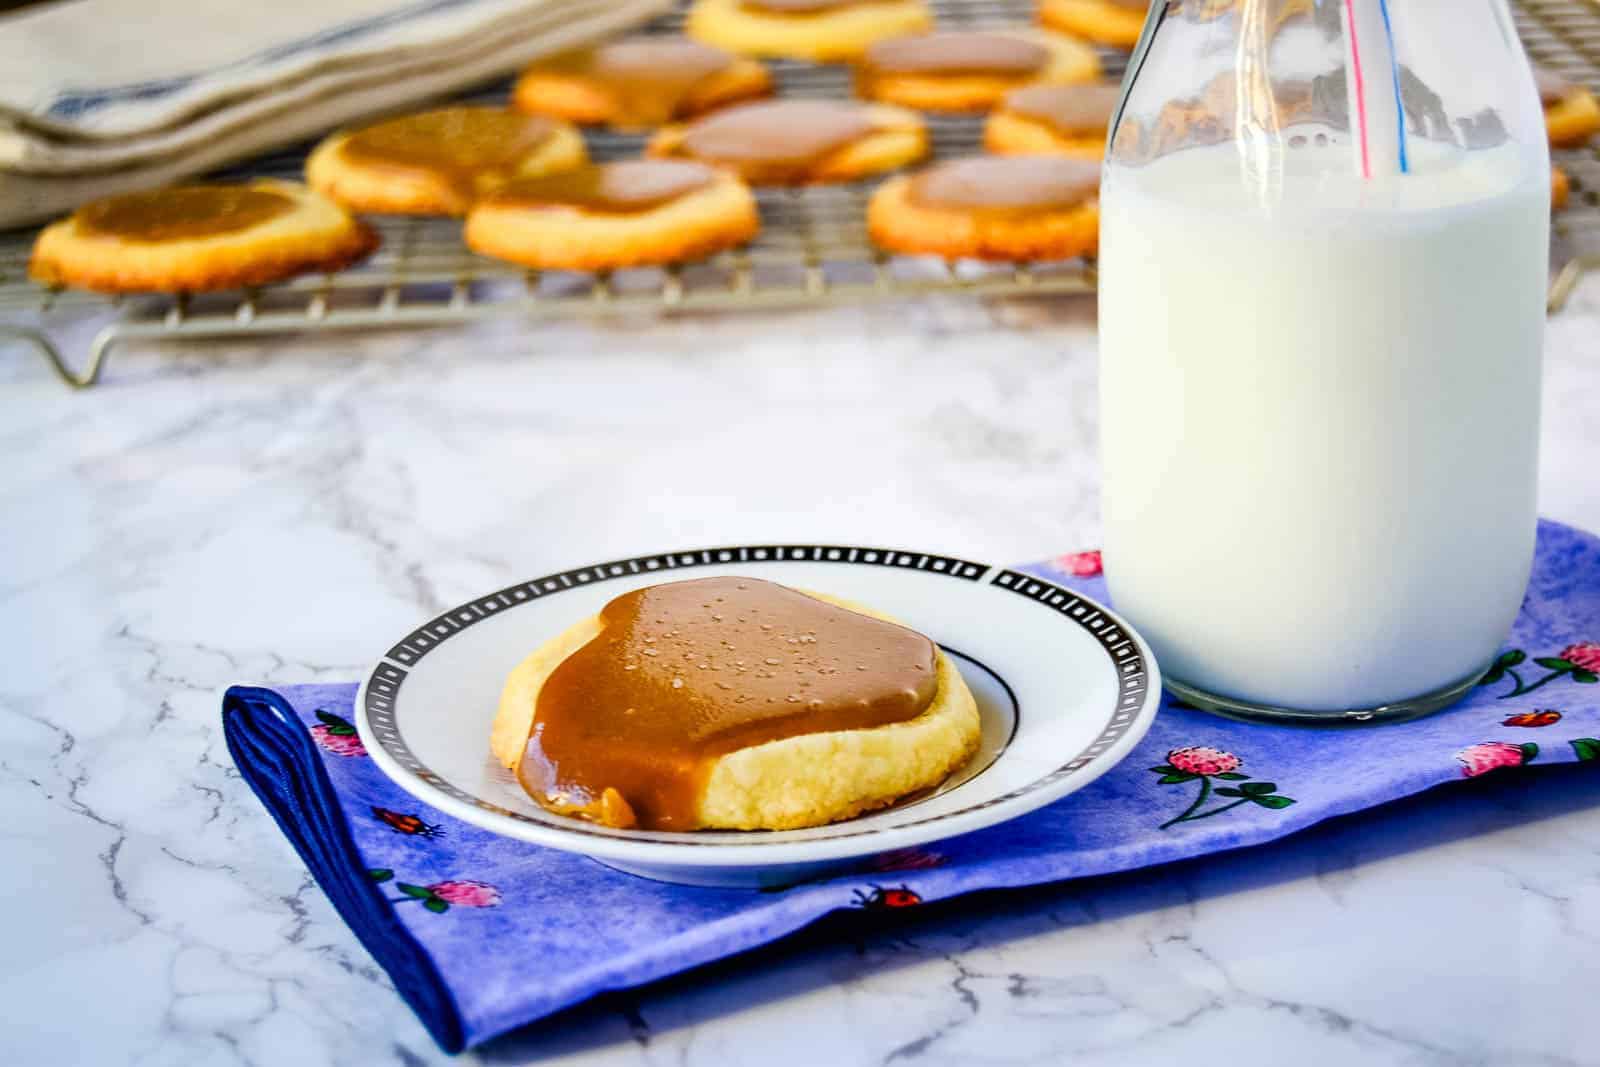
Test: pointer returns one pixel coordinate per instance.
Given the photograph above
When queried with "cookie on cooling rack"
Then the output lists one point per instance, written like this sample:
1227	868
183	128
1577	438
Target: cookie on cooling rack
969	70
1117	23
799	142
823	31
630	213
639	82
1068	120
991	207
190	238
439	162
1571	112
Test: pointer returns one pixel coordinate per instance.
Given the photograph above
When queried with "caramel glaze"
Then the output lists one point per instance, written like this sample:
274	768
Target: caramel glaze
799	7
777	141
1071	110
1553	88
1130	5
626	187
183	212
999	54
461	145
649	79
627	728
1007	185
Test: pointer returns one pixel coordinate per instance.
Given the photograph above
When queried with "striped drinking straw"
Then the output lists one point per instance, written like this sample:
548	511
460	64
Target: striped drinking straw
1377	119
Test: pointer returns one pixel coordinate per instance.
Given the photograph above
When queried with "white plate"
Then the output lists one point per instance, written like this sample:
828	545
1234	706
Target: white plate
1066	689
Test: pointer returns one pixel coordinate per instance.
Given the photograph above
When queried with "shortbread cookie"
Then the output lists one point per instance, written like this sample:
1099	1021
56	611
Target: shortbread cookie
799	142
1112	22
1068	120
991	207
642	82
439	162
190	238
624	214
732	703
969	70
824	31
1571	112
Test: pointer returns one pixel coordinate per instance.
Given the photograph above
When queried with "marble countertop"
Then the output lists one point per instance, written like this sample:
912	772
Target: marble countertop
277	510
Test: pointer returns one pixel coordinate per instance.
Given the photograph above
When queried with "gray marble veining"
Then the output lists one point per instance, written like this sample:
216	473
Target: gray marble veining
277	510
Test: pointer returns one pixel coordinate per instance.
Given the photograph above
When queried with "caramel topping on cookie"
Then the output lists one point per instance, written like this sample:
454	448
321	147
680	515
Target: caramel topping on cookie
1130	5
1553	88
650	78
627	727
799	7
458	143
785	136
1007	184
1068	109
183	212
626	187
958	53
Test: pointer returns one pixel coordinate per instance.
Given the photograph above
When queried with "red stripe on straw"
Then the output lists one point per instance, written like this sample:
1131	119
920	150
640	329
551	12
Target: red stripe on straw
1361	88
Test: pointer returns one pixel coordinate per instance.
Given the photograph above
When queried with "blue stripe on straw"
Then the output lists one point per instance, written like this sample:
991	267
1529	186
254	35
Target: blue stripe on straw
1394	74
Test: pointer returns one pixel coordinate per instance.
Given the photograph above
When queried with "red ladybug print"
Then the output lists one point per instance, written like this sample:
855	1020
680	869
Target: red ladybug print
1533	718
406	824
881	899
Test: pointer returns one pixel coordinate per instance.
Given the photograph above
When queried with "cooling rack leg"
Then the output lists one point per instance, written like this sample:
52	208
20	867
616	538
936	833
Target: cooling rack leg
41	343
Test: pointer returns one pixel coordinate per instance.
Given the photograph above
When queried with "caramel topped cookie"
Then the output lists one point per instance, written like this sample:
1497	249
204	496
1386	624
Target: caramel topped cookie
1571	111
640	82
626	187
999	54
991	207
1066	109
969	70
1112	22
438	162
1018	185
625	214
462	143
799	141
732	703
1065	119
183	212
198	237
685	672
790	134
824	31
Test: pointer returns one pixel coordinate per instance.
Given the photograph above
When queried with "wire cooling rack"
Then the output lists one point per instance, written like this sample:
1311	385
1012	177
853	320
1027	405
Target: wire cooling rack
813	247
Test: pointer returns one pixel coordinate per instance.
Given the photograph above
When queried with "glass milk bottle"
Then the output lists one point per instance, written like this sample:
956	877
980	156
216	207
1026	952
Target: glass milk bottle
1324	242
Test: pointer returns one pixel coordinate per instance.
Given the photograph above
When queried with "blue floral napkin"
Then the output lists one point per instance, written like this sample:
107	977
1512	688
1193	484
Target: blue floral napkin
437	901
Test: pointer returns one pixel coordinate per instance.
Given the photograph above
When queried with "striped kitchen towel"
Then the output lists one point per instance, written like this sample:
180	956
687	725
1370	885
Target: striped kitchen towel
99	97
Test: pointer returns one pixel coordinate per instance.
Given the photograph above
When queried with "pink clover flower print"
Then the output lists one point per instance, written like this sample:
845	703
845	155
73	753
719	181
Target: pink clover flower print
336	735
467	894
1203	762
1584	655
1080	564
440	897
1489	756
